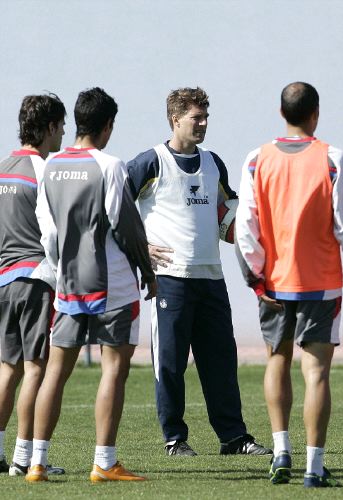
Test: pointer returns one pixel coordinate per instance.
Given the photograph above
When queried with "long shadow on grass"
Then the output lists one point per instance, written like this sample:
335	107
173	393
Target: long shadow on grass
252	457
205	471
255	473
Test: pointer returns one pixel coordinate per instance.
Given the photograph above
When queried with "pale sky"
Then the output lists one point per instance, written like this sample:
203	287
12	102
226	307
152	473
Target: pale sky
242	52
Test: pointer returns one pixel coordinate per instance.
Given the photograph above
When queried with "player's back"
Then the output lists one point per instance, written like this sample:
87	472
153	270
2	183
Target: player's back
20	247
84	191
294	202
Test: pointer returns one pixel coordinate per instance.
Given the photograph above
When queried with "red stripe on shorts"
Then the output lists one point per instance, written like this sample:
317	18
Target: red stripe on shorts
338	306
135	310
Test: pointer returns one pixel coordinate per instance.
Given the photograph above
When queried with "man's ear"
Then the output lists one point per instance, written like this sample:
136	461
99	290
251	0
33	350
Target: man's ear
52	128
316	113
175	121
314	119
281	113
109	125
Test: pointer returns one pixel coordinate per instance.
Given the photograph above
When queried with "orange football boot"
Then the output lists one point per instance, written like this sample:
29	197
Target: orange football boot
115	473
37	473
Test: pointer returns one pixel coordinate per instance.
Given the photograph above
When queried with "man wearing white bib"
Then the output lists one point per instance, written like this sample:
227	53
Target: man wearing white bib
179	187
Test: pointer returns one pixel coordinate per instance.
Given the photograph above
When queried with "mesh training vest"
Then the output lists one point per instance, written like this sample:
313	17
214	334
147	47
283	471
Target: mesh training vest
181	213
294	202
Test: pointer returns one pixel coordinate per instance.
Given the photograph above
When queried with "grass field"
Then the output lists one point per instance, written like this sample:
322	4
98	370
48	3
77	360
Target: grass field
207	476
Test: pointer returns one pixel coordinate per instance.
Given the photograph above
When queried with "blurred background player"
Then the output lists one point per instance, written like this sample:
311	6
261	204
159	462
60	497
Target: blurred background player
94	241
289	227
26	281
179	187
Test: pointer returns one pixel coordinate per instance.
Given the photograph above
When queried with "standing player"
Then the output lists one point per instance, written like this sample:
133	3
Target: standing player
26	281
178	186
289	226
94	240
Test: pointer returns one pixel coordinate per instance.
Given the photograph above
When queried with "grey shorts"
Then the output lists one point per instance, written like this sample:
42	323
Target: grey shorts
304	320
26	311
112	328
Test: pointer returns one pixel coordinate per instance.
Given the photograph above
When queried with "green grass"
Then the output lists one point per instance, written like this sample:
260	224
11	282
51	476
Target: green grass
140	446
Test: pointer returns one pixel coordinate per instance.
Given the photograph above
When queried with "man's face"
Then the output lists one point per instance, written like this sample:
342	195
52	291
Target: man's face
192	126
57	132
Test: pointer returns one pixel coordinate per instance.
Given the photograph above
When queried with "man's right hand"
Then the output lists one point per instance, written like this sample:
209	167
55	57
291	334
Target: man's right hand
272	303
157	256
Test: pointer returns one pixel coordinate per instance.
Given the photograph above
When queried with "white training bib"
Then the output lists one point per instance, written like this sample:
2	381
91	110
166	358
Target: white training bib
181	212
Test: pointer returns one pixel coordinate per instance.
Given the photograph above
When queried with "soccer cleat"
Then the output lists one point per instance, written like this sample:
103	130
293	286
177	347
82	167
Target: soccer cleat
55	471
244	445
3	464
180	448
312	480
36	473
21	470
115	473
280	469
17	469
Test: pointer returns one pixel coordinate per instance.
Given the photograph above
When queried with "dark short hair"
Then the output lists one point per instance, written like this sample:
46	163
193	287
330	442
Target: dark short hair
179	101
93	109
299	101
35	114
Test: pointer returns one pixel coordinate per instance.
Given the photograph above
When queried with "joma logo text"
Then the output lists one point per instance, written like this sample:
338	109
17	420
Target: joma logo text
66	175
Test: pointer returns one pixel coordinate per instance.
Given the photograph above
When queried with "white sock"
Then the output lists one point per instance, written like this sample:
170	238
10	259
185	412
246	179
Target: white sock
105	456
40	452
281	442
315	458
22	452
2	439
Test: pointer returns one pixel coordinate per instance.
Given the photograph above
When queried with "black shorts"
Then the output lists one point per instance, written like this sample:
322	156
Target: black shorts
26	311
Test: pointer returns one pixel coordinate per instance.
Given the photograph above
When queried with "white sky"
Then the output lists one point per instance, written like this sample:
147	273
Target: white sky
242	52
